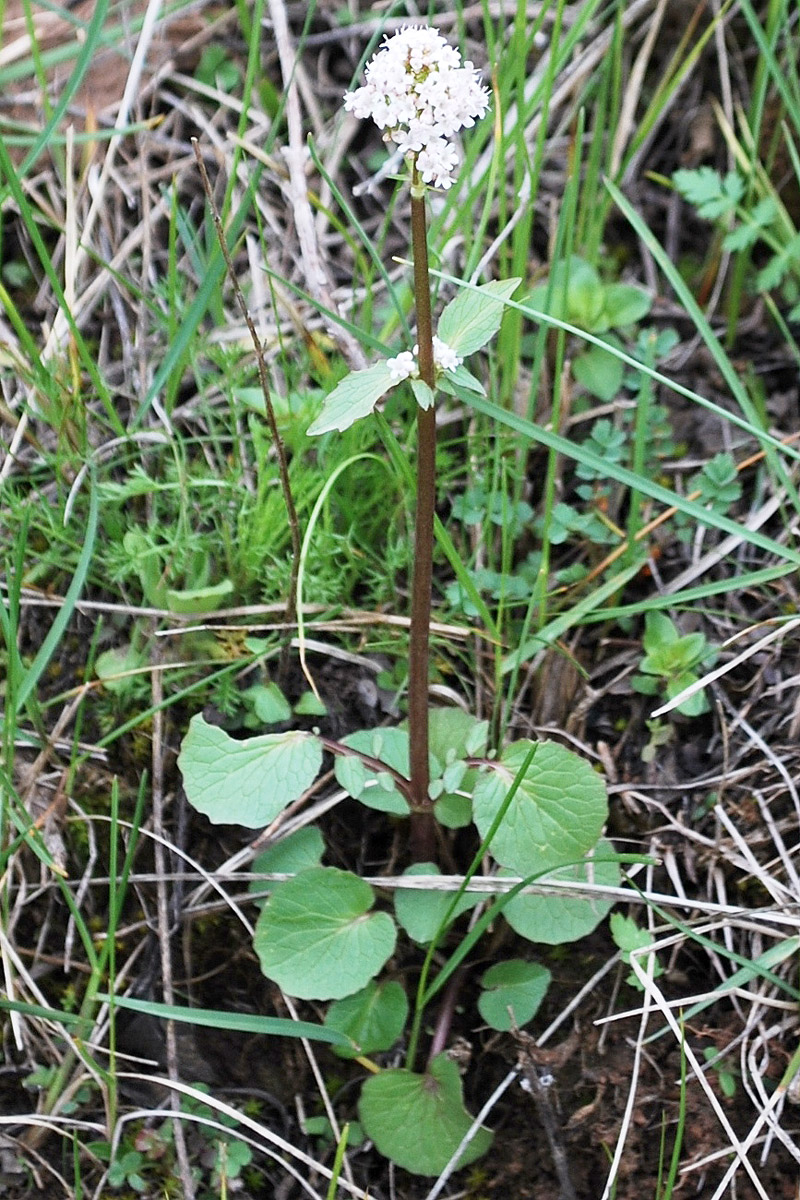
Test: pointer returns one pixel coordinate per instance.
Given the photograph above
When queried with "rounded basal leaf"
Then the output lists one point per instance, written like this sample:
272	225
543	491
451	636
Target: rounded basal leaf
551	920
419	1121
246	782
316	937
373	1018
421	911
297	852
372	787
515	985
556	814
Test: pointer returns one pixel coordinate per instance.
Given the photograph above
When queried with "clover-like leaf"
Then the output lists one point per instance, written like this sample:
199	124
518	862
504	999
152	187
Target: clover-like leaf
516	985
554	817
474	317
246	782
372	787
316	937
353	398
373	1018
552	920
419	1121
421	911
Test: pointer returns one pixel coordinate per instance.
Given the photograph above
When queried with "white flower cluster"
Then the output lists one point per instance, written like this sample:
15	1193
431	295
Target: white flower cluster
404	366
419	92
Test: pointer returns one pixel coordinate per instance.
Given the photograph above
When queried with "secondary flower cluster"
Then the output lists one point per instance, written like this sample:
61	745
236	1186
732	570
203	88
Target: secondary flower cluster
419	92
404	366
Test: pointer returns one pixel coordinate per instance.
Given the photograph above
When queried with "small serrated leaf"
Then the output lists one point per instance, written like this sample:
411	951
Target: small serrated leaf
353	398
474	317
419	1121
316	937
246	782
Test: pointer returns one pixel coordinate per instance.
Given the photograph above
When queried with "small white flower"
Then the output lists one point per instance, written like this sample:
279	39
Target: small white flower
402	367
444	356
420	93
436	163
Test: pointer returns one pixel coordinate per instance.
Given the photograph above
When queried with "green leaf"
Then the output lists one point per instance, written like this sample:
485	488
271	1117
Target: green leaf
453	736
246	782
422	393
551	920
198	600
474	317
353	398
419	1121
625	304
310	706
112	667
516	985
375	788
316	937
373	1018
268	703
556	814
461	378
298	852
421	911
600	372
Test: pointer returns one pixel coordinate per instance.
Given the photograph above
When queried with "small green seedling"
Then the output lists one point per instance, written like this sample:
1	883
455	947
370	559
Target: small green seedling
671	663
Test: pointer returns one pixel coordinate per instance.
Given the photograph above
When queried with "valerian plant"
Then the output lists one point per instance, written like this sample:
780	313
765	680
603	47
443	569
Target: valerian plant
538	809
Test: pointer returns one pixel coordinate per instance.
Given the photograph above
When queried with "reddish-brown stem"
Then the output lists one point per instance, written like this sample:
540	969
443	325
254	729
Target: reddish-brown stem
423	839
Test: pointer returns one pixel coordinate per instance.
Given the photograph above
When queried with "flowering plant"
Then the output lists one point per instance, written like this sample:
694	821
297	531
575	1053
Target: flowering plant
535	806
419	91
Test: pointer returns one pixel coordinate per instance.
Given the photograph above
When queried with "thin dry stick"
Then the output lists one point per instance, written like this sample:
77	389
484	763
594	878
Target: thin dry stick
263	378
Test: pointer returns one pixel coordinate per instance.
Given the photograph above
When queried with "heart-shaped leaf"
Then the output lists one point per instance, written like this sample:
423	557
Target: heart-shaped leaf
556	814
316	937
373	1018
246	782
516	985
419	1121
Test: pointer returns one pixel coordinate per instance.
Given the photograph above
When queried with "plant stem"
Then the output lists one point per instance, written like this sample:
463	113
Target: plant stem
422	824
